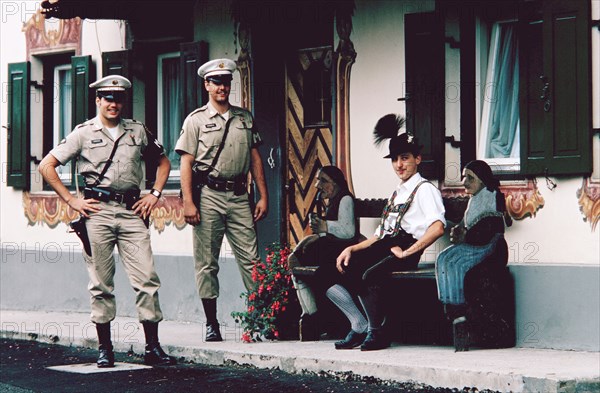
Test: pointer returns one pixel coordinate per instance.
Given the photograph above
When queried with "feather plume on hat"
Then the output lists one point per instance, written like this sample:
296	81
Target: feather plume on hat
387	127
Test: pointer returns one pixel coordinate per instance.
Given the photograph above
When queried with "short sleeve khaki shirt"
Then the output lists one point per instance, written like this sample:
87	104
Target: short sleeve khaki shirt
201	135
92	143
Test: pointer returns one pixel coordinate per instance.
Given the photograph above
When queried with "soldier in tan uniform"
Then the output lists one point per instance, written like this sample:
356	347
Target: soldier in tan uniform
222	167
115	212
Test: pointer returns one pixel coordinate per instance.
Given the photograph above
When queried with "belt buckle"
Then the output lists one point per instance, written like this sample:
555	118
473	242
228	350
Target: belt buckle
229	185
119	197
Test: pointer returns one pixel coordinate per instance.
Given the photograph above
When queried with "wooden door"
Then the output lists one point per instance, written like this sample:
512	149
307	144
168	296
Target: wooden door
309	137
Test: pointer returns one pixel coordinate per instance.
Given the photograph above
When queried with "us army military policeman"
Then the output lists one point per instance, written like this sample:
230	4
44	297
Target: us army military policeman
110	152
219	145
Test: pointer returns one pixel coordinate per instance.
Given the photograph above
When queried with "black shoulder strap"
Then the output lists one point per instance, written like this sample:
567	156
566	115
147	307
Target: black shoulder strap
222	145
108	162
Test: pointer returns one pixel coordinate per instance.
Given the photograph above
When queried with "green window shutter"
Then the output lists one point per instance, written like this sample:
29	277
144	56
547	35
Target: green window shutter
556	89
193	94
19	126
81	77
119	63
424	93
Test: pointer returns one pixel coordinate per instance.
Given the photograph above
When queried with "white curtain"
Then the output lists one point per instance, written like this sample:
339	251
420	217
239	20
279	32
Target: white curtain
499	132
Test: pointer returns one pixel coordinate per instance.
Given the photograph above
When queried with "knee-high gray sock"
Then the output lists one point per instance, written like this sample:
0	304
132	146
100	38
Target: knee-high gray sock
343	300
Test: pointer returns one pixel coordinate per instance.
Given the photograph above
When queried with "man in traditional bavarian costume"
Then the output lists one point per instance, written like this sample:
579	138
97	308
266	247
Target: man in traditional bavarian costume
411	221
110	152
218	147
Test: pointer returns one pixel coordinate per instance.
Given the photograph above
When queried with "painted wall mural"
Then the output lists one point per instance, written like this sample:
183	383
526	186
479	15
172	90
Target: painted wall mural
52	35
588	197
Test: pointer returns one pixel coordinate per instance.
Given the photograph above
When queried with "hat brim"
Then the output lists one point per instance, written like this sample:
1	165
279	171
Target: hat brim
111	88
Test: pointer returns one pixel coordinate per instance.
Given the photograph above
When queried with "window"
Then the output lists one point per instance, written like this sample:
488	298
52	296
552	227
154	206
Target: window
498	130
65	102
317	99
531	108
63	114
169	106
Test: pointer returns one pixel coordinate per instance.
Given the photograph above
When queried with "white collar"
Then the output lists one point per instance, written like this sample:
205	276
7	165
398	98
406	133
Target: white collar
411	183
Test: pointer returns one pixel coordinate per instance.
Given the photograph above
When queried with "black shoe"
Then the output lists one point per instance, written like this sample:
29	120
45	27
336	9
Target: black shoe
309	328
213	334
460	328
352	340
106	358
155	356
376	339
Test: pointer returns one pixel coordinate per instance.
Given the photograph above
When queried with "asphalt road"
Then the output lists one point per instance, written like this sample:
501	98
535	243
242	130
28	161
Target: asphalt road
23	369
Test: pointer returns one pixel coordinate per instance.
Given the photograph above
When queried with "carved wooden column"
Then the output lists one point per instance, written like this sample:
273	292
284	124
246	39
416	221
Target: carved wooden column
344	57
244	64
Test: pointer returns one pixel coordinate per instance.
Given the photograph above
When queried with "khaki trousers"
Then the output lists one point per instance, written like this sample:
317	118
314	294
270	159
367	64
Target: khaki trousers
223	213
115	225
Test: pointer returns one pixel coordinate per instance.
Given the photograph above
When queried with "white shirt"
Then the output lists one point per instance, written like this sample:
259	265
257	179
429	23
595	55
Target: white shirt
114	131
426	208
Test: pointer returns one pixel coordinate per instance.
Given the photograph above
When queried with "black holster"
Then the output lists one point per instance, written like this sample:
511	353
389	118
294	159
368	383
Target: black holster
78	226
199	179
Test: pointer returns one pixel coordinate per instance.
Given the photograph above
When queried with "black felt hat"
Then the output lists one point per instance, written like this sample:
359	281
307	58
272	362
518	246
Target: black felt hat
387	128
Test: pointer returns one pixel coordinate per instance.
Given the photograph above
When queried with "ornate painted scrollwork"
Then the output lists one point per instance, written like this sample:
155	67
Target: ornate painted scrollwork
522	201
588	197
48	209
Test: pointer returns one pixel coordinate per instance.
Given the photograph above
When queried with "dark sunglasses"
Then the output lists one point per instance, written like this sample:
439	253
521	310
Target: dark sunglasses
112	96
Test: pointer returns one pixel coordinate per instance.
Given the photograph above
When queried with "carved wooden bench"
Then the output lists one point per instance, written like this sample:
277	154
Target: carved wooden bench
422	319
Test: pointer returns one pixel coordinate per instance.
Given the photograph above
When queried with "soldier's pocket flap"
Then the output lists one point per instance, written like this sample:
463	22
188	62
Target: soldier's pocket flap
133	141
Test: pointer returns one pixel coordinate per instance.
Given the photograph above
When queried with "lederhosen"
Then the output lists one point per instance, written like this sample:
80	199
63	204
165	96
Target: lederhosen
373	265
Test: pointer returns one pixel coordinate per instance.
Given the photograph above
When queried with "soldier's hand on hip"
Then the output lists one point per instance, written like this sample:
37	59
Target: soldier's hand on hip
84	206
143	207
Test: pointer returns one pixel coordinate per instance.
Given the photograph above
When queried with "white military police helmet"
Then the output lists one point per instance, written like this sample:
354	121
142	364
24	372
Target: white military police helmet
220	67
111	83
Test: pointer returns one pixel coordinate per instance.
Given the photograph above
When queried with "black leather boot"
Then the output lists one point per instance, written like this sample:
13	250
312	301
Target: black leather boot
376	339
106	356
154	354
213	334
352	340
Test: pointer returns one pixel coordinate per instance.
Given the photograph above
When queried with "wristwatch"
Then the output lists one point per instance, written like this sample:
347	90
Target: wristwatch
156	193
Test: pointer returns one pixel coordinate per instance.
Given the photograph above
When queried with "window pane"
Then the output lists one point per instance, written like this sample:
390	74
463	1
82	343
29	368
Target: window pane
498	139
169	107
63	114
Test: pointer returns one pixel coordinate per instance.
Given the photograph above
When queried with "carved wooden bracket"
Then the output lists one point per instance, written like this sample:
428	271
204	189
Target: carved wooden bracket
589	201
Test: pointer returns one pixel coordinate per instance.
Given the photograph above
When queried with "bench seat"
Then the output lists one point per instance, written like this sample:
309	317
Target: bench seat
425	271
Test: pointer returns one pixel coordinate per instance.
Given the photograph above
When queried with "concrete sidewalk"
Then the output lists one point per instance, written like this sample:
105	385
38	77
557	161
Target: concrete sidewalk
505	370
